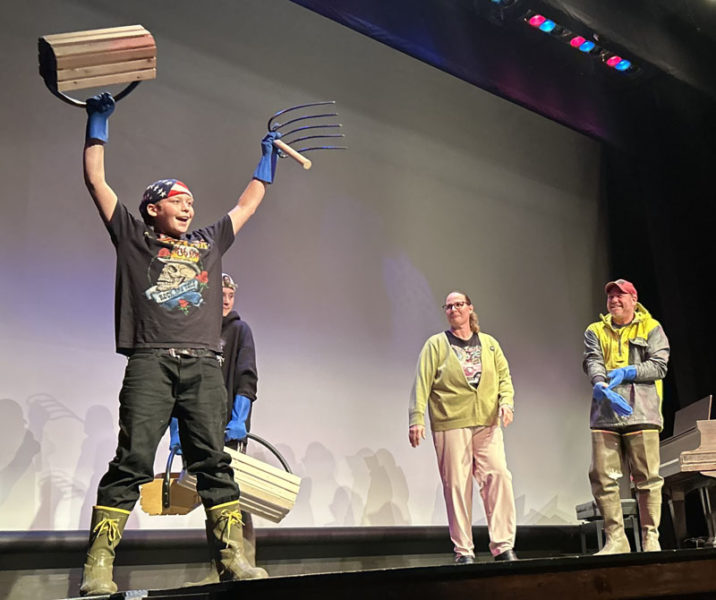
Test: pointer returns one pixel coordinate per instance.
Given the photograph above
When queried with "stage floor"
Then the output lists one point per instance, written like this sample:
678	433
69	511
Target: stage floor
671	574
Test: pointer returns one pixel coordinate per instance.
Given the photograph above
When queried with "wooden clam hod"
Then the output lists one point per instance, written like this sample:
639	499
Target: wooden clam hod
97	57
266	491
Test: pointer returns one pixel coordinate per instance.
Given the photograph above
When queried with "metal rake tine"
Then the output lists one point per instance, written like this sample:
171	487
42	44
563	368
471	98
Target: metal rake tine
278	126
297	107
323	148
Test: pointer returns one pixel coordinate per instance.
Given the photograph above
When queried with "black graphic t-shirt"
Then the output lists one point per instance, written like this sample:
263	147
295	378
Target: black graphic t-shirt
469	353
168	291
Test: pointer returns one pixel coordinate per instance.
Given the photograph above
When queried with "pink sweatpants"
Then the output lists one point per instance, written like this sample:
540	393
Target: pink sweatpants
479	452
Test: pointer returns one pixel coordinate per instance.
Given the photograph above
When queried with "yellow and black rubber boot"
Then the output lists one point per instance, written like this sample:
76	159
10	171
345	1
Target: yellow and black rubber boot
105	533
226	529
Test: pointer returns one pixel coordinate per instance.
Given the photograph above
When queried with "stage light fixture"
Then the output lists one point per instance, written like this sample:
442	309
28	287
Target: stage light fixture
615	61
581	43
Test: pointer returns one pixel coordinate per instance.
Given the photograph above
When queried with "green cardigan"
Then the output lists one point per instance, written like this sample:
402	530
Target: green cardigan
440	384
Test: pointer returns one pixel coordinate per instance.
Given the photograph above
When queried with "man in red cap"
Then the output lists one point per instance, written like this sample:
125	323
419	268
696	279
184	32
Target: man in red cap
625	356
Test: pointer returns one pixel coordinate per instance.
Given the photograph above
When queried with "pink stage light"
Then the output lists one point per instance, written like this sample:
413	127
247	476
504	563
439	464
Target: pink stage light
536	20
577	41
613	61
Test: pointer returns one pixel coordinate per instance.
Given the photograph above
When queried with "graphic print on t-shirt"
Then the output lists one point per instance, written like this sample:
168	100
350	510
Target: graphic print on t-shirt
470	358
180	278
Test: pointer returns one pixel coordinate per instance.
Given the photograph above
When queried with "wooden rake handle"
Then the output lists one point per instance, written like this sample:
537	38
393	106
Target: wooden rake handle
298	157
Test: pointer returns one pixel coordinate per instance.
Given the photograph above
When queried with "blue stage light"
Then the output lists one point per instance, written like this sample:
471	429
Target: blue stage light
623	65
547	26
587	46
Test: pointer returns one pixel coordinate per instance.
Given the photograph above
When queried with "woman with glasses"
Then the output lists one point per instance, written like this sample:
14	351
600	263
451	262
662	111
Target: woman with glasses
464	380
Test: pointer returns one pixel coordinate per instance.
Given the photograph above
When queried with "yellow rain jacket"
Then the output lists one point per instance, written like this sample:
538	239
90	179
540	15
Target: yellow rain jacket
642	344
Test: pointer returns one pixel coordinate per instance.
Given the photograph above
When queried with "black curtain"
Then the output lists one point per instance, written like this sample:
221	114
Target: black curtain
661	206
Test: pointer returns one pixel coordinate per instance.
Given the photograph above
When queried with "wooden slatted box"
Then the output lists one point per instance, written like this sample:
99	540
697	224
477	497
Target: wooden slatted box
97	57
266	491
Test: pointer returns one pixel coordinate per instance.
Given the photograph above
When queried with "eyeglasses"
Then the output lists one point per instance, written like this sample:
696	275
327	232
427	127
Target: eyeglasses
454	305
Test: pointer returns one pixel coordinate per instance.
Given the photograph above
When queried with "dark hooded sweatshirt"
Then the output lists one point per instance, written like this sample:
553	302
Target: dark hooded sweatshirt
240	376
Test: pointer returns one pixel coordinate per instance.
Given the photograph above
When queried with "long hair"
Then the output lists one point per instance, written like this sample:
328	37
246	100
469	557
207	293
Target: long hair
474	321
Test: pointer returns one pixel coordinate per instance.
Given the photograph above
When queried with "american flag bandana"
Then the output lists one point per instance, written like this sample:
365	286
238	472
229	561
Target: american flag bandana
164	188
227	282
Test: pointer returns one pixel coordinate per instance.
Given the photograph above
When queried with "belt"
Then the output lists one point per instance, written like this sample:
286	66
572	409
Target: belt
189	352
180	352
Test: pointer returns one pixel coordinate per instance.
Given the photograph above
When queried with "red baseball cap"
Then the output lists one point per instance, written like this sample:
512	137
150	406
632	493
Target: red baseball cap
627	287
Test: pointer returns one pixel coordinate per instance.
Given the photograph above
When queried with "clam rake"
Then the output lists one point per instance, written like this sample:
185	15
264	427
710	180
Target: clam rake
315	131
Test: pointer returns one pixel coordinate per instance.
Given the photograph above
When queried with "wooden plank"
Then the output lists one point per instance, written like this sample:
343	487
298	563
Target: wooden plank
280	495
97	57
266	491
59	38
107	69
253	500
87	60
283	480
255	504
244	478
254	464
90	47
258	495
261	510
78	84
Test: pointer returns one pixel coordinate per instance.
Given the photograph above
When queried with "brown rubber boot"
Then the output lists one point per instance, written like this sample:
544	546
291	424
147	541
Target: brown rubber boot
644	458
228	540
649	518
249	550
604	475
105	533
617	541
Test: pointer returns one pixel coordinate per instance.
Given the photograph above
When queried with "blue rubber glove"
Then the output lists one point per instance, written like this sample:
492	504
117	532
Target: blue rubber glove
598	391
619	405
266	169
621	374
99	108
174	435
236	428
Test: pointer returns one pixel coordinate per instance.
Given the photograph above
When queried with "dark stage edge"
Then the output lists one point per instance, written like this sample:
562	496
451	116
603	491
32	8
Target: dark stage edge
671	574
